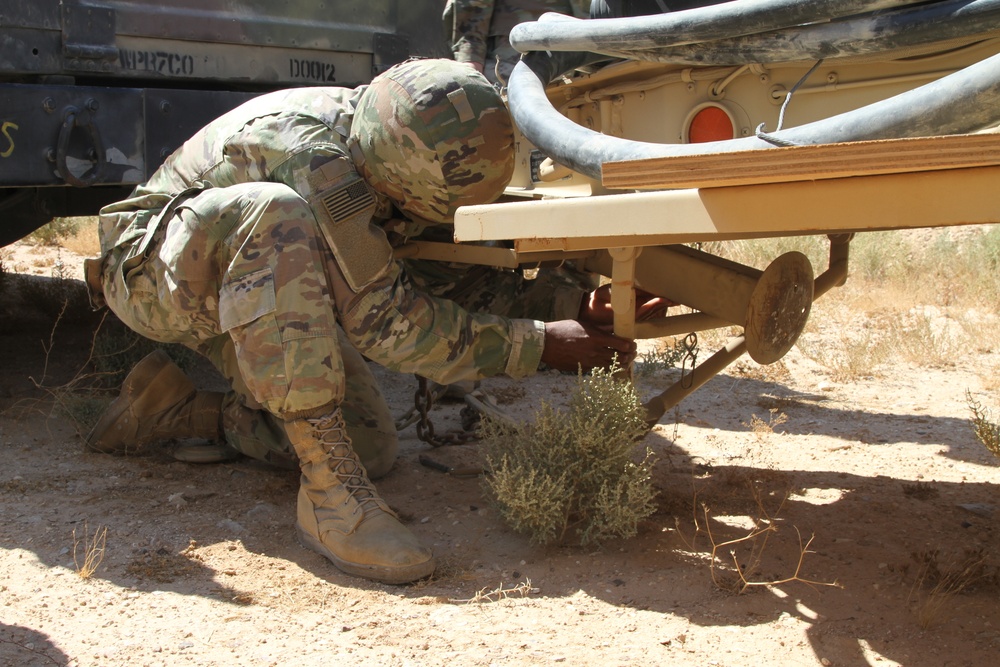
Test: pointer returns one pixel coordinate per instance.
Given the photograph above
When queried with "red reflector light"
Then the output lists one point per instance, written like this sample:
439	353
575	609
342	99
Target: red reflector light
711	123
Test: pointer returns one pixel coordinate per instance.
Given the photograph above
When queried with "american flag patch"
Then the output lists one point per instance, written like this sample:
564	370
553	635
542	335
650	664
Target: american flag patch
346	202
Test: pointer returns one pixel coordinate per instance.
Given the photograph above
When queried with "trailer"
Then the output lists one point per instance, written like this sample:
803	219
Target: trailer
642	137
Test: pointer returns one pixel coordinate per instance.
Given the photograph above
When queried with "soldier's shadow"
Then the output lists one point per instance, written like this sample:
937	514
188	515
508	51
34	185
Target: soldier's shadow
27	647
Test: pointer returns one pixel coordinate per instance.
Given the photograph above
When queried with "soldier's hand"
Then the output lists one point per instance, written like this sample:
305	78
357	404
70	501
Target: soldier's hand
569	344
596	306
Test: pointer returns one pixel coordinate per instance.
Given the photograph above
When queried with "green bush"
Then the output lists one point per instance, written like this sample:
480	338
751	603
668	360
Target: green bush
55	231
573	473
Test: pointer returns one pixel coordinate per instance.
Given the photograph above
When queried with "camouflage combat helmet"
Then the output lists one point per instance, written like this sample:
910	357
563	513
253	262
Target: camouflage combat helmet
433	135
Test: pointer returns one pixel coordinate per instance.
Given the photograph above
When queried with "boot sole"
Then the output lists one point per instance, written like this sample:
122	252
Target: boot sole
209	453
387	575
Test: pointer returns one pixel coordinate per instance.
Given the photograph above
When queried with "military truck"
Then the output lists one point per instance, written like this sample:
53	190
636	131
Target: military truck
94	94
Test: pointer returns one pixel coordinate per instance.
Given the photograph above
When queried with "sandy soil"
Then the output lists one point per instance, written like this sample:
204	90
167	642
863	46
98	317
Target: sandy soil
882	476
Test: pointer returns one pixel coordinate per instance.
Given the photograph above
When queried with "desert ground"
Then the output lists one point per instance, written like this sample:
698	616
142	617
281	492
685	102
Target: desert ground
807	513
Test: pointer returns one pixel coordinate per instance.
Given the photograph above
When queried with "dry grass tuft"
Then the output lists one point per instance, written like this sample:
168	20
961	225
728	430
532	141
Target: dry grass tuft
88	550
483	595
851	356
920	491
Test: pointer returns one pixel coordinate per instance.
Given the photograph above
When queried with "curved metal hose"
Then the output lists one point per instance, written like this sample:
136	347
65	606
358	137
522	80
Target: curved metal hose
555	32
962	102
860	36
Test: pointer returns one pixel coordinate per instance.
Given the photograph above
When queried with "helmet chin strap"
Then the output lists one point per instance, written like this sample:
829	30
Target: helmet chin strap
357	155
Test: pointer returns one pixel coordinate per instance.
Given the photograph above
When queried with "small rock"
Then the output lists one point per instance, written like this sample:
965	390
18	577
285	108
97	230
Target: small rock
263	513
231	526
980	509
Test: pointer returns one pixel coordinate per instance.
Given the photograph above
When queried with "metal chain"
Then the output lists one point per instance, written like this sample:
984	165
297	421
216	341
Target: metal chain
690	359
423	403
418	411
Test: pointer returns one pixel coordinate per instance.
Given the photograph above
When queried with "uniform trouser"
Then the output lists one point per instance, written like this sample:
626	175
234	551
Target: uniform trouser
256	433
242	274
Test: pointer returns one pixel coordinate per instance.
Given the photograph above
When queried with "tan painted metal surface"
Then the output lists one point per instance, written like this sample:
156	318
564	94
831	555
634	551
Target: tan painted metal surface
891	201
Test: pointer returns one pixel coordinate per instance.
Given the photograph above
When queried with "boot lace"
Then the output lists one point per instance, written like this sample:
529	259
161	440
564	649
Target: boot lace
332	431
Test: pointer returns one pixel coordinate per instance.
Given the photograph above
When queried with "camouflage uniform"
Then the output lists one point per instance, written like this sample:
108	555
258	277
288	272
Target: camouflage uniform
260	245
478	29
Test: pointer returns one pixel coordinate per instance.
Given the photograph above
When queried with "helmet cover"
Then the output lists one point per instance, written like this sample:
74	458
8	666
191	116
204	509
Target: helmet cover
433	135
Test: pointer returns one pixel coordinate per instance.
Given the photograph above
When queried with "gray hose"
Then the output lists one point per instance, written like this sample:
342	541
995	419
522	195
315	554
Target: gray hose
555	32
863	35
962	102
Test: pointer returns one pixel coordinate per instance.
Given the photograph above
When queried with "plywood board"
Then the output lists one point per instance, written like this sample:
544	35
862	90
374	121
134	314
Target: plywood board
805	163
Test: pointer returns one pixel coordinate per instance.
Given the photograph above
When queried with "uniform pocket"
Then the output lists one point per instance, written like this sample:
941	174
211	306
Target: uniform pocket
246	299
246	312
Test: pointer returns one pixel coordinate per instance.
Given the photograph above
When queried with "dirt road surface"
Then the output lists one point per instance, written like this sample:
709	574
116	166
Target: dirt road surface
878	505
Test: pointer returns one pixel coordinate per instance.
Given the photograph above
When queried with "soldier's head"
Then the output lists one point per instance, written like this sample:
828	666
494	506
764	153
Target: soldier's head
433	135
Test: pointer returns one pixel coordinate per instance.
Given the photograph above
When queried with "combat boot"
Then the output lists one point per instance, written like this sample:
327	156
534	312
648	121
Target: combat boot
157	402
340	514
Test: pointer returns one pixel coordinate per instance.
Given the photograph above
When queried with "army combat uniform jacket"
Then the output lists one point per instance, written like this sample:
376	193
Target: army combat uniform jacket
223	251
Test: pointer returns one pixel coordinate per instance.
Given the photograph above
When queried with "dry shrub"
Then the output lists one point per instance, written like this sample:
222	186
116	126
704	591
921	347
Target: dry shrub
761	428
55	231
737	559
573	473
662	355
987	432
928	340
85	241
34	297
853	357
939	580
